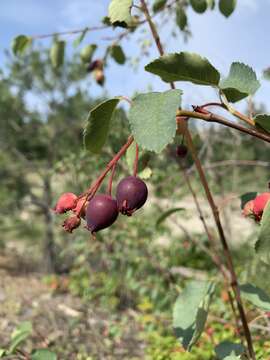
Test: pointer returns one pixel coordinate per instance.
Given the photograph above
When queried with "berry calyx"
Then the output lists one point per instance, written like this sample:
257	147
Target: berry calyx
80	208
131	194
101	212
71	223
181	151
66	202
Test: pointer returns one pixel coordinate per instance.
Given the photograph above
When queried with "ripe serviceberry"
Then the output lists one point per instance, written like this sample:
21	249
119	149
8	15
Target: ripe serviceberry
71	223
101	212
66	202
131	194
181	151
95	65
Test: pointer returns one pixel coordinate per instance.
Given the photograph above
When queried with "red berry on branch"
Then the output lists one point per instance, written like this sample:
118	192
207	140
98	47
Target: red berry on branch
71	223
260	203
181	151
101	212
66	202
131	194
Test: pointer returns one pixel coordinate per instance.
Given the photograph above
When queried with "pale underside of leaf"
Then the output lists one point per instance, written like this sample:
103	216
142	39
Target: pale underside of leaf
240	83
190	312
152	119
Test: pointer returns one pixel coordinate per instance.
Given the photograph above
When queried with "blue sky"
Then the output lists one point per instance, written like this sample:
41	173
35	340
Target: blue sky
242	37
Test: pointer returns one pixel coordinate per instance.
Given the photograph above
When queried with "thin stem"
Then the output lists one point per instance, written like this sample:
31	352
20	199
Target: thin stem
210	117
210	200
70	32
154	32
95	186
135	167
109	189
226	250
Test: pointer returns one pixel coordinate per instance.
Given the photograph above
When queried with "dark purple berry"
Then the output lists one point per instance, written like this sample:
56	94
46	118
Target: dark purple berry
101	212
181	151
131	194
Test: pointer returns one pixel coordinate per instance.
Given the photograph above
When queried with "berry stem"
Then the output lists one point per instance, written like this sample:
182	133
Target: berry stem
109	190
95	186
135	167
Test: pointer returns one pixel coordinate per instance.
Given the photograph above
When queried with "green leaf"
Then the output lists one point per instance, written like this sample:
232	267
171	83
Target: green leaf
227	349
211	4
20	43
43	354
98	125
256	296
166	214
120	11
158	5
87	53
146	173
199	5
181	17
262	245
2	352
247	197
184	66
80	38
190	312
227	7
152	119
266	73
57	53
118	54
263	120
241	82
19	335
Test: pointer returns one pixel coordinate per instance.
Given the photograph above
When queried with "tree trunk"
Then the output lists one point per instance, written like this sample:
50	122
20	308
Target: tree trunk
49	251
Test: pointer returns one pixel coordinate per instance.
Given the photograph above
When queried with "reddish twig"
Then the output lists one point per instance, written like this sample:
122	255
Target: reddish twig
109	190
136	160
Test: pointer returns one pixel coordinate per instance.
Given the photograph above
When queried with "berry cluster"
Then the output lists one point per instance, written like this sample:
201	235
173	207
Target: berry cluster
101	210
254	208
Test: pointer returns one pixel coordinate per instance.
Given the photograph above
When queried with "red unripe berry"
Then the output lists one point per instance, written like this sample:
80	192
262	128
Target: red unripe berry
248	208
66	202
101	212
71	223
181	151
131	194
260	203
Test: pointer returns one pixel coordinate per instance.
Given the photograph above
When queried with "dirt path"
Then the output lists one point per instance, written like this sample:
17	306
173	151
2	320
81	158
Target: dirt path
63	322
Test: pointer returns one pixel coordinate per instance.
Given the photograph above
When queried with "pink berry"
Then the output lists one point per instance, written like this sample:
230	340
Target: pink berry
66	202
260	203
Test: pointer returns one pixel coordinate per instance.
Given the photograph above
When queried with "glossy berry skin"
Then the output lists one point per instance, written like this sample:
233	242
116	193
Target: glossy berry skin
66	202
101	212
181	151
131	194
